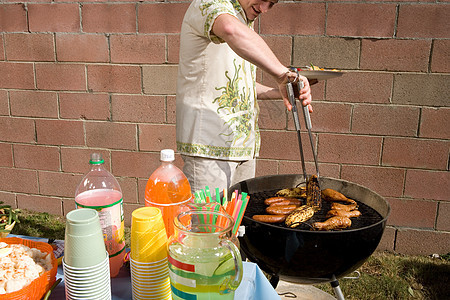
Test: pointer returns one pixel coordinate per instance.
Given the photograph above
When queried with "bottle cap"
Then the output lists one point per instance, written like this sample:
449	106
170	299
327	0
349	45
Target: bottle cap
96	159
167	155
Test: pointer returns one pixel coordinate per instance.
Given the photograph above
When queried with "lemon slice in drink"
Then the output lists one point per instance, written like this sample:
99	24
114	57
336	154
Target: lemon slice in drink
225	266
5	251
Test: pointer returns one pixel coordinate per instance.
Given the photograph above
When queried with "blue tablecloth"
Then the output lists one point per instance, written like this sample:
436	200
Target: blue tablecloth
254	285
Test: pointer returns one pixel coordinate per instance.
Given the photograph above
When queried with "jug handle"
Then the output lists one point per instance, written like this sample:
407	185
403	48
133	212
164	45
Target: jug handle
237	262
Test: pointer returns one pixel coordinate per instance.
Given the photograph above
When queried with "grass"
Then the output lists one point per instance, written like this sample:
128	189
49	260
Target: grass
384	276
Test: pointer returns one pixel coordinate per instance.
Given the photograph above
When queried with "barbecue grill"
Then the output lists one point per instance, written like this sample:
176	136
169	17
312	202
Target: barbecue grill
301	255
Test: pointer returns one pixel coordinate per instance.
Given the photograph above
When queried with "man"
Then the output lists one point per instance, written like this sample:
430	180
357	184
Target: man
217	111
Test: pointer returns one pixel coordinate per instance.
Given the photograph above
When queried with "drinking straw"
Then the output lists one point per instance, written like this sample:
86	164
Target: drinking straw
208	193
225	195
238	220
217	195
236	210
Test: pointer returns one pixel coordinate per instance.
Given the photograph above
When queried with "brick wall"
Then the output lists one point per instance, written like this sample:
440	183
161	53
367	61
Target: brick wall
78	77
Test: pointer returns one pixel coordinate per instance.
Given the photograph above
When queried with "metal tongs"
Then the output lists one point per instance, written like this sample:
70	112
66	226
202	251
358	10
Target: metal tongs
291	96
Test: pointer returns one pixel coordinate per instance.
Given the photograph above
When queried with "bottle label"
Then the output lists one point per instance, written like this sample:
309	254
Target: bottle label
112	223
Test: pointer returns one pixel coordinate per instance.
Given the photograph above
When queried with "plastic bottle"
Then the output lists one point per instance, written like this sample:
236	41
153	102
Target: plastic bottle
168	189
99	190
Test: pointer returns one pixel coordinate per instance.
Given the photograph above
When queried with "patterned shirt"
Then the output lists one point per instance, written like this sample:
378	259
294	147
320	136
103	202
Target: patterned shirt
217	112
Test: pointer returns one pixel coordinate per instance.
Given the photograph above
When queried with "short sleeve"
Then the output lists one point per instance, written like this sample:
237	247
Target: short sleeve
210	10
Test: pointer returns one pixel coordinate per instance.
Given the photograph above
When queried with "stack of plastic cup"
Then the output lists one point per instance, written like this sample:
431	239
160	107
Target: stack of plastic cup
148	259
86	262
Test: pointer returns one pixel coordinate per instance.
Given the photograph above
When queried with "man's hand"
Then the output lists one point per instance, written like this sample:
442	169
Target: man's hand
305	93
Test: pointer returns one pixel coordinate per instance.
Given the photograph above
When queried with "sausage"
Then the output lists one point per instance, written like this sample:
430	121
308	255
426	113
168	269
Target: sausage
347	207
293	201
333	223
343	213
280	209
269	218
272	200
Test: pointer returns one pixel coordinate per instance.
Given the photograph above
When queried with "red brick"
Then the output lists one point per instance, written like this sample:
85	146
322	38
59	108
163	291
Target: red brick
13	17
443	220
17	130
272	114
266	167
128	209
422	242
37	157
159	79
4	106
138	108
84	106
34	104
58	184
387	182
361	19
415	153
138	49
156	137
64	77
134	164
110	78
427	184
173	49
65	17
6	155
294	18
59	132
365	87
161	17
114	17
435	123
385	120
327	117
40	204
68	205
387	241
440	57
432	23
129	189
16	75
398	55
17	180
30	47
281	47
2	51
76	160
111	135
82	47
171	109
9	199
349	149
283	145
141	189
412	213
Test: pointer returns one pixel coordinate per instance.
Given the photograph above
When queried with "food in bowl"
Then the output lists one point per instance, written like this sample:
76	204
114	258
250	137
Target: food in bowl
20	265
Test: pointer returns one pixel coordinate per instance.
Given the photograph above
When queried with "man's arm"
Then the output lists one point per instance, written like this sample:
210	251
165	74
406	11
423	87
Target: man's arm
250	46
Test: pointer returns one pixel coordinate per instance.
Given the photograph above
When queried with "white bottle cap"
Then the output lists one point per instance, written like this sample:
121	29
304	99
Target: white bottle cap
167	155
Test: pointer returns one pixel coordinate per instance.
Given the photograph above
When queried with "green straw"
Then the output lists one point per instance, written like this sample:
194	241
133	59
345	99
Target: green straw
208	193
217	195
238	220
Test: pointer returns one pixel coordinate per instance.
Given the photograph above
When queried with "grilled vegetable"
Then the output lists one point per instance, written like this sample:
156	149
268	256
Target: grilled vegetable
299	215
333	223
298	192
281	209
281	201
347	207
313	195
332	195
343	213
269	218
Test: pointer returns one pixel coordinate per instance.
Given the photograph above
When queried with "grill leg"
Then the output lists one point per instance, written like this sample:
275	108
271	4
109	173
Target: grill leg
337	289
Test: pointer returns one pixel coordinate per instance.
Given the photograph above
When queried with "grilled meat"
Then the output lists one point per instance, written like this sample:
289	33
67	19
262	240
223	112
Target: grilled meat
347	207
299	215
333	223
343	213
282	201
298	192
332	195
269	218
281	209
313	194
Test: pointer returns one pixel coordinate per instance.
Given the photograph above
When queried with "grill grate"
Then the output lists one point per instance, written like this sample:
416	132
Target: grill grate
368	216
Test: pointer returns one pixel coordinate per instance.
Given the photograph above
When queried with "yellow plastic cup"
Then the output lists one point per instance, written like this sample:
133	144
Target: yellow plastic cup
148	235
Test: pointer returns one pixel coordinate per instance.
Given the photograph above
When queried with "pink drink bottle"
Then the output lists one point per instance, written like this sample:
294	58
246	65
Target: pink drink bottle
99	190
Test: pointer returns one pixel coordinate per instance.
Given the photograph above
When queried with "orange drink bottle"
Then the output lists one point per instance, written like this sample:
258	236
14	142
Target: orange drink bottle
168	189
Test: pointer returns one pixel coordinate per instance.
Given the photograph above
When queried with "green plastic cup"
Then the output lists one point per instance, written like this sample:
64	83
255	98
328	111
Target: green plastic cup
83	244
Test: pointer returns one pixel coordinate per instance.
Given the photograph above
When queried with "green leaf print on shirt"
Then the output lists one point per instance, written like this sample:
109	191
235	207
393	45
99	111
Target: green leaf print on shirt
232	101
